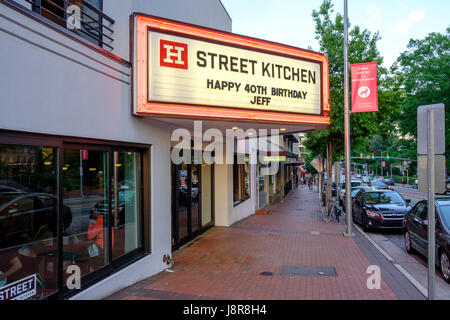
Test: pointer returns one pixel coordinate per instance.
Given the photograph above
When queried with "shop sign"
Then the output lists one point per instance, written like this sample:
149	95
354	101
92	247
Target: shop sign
185	70
274	158
20	290
190	71
364	87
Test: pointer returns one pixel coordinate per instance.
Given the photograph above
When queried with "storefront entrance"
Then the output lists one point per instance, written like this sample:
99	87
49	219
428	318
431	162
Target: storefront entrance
262	197
192	201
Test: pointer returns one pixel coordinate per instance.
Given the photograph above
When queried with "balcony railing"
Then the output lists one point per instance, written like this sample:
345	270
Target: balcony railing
83	17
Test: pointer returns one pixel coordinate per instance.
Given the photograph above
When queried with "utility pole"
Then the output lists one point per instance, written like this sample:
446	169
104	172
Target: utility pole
431	213
348	205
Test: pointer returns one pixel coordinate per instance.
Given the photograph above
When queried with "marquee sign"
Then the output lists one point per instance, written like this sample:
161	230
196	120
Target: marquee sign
188	71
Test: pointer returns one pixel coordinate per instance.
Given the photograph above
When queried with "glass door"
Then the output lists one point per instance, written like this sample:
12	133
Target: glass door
206	194
195	197
181	194
192	206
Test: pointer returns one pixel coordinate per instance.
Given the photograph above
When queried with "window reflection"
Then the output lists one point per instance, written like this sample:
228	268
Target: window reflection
126	201
85	183
101	212
28	216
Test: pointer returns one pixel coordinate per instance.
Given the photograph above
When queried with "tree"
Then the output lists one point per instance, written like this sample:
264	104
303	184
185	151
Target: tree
362	48
424	70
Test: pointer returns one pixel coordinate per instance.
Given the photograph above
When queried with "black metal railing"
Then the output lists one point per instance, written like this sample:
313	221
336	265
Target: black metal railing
83	17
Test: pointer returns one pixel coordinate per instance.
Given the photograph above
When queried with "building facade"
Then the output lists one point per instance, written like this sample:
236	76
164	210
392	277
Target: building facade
88	185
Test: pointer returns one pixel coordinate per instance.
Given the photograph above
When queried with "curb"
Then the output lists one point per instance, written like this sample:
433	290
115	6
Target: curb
408	276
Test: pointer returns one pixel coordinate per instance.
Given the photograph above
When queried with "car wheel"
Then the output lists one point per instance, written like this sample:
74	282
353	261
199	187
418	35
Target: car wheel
408	244
445	266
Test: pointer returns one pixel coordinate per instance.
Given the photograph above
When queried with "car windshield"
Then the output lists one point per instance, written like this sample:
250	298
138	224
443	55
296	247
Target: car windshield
353	183
384	198
445	215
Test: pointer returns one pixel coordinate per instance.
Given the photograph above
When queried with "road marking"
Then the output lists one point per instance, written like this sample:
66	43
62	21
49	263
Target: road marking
408	276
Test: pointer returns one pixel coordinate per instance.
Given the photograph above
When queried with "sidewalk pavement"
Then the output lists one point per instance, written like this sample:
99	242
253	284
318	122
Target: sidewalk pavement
227	263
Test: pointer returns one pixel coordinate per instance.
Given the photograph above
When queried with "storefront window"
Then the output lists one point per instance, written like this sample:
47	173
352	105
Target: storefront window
126	224
85	183
241	182
99	207
28	220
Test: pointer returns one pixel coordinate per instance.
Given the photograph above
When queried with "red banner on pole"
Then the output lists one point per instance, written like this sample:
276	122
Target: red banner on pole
84	155
364	87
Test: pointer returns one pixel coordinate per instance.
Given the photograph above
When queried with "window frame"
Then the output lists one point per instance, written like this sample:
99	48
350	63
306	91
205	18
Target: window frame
241	183
60	143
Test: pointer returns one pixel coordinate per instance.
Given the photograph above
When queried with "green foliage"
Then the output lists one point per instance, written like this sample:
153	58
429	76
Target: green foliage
424	71
362	48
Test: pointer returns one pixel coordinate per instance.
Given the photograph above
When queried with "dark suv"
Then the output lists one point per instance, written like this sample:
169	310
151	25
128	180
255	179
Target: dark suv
416	232
379	209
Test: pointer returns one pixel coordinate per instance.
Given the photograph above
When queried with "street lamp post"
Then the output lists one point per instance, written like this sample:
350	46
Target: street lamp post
347	199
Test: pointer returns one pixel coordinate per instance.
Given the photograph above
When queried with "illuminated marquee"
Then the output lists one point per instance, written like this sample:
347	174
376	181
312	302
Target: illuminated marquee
188	71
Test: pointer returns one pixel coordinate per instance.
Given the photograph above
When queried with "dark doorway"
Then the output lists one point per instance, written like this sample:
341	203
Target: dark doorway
192	202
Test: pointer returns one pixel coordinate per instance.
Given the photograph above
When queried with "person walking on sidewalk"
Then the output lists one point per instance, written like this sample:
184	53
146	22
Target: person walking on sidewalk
310	182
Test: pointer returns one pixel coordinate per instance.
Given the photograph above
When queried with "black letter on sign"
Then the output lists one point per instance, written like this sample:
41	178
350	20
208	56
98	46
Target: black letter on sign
312	76
201	59
234	64
265	69
223	61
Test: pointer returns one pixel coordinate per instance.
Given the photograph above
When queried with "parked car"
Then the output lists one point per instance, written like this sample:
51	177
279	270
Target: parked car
355	190
379	209
354	183
389	182
28	216
8	188
378	185
416	232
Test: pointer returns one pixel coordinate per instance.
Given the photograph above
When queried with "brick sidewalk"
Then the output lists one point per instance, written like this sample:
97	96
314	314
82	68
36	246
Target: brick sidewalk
226	263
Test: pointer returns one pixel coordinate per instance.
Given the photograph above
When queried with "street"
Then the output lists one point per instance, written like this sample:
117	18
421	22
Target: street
392	242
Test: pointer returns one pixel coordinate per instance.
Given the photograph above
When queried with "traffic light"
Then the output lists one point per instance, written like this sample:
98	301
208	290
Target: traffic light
360	155
387	155
373	155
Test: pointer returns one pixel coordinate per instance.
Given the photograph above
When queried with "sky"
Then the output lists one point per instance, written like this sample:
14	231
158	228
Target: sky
290	21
